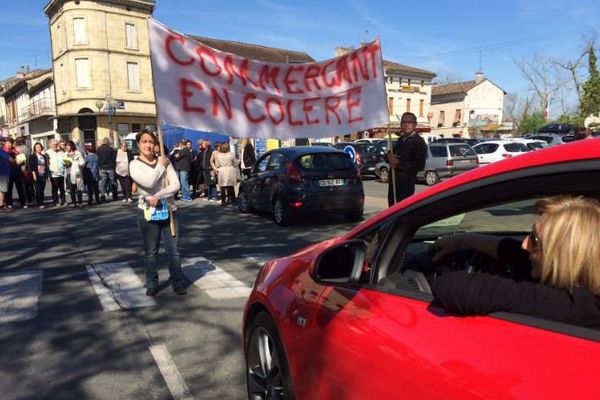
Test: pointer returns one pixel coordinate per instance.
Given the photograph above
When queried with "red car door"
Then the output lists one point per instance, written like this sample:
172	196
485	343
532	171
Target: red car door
378	345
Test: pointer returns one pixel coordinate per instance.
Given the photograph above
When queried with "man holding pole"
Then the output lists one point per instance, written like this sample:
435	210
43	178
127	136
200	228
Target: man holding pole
408	158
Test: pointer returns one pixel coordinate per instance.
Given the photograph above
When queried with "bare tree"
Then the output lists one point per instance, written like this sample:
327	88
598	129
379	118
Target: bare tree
573	67
542	77
446	77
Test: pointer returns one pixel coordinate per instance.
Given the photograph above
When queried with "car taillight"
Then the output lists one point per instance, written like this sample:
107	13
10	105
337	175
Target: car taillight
449	163
506	155
293	173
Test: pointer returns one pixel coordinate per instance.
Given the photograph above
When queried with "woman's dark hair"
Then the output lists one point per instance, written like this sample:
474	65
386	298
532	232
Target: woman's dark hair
71	144
139	135
38	143
89	148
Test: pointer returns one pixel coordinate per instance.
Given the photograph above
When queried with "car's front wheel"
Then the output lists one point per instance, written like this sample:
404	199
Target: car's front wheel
243	202
281	214
431	178
267	371
384	175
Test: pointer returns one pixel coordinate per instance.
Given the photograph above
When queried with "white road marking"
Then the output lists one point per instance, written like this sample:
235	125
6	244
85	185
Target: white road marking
118	286
217	283
260	258
170	373
19	293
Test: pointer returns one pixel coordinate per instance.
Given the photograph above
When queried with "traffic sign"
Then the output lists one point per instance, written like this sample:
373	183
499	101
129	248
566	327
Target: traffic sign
351	152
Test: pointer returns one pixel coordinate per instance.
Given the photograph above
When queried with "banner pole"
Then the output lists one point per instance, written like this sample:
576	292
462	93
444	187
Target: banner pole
388	130
160	138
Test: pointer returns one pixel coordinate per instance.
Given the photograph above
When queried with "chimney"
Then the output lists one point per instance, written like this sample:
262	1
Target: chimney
479	77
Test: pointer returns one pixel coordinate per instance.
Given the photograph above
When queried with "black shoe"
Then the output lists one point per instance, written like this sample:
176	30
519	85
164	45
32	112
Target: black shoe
180	291
151	292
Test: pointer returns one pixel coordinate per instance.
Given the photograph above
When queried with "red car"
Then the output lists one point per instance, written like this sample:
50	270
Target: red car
329	322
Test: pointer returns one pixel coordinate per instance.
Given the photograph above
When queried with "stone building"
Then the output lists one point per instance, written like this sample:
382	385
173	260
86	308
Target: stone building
468	109
101	64
30	108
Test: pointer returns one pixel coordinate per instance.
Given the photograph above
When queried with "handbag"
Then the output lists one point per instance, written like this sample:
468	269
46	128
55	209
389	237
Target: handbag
158	213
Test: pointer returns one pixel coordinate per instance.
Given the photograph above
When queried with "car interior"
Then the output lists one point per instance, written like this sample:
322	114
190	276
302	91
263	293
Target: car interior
398	253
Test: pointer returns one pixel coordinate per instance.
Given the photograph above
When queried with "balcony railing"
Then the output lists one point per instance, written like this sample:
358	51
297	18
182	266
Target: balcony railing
38	107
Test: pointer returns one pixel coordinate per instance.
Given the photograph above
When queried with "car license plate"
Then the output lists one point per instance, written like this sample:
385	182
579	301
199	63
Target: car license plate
465	161
331	182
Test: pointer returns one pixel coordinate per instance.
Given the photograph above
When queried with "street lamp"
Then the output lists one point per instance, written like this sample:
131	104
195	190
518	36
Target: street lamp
111	107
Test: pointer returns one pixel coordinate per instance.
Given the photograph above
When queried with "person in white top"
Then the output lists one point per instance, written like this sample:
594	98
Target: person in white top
157	183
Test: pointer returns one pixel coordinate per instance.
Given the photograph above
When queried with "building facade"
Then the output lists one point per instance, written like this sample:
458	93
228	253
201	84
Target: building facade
28	107
101	64
470	109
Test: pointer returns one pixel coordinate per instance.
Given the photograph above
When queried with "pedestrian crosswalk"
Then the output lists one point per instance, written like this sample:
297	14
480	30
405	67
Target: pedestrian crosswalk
118	287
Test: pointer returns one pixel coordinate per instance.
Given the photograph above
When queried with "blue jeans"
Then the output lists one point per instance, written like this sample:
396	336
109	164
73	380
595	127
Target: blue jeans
107	182
212	192
185	184
151	233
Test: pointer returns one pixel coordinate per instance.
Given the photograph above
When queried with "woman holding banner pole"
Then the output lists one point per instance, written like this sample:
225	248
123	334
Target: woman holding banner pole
155	188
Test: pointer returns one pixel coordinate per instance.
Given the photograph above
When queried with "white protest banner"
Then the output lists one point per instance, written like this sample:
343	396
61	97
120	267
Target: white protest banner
201	88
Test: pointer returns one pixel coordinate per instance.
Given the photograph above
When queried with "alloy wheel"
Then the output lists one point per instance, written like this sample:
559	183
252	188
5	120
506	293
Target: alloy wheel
265	381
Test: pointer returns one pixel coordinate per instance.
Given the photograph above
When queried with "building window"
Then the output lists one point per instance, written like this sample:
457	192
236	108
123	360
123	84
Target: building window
133	76
421	108
122	127
130	36
457	118
441	119
79	31
136	127
82	73
407	105
390	105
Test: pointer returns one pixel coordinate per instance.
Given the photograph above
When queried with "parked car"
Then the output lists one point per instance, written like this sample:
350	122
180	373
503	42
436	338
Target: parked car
324	144
353	318
292	181
368	140
532	144
559	129
444	160
553	139
367	155
496	150
470	141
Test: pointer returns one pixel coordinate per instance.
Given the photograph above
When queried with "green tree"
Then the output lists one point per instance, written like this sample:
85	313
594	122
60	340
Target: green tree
590	93
532	122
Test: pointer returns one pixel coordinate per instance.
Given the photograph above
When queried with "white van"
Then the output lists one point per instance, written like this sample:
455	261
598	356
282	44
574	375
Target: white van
131	143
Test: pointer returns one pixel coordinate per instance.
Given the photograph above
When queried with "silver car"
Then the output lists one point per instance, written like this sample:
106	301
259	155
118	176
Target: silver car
444	160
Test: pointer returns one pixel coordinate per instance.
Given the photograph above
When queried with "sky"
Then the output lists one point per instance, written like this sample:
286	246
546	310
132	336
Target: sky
450	38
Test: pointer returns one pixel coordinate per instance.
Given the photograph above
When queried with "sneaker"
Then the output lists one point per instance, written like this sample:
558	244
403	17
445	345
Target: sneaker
206	199
180	291
25	206
42	206
129	200
186	199
151	292
213	200
124	201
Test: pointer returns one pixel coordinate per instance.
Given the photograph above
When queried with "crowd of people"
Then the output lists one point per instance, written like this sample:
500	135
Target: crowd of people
97	172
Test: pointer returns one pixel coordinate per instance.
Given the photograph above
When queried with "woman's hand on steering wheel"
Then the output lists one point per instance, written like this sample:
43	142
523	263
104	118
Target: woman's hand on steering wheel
445	245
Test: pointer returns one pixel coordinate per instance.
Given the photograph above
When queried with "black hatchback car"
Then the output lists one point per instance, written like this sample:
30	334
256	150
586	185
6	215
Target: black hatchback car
306	179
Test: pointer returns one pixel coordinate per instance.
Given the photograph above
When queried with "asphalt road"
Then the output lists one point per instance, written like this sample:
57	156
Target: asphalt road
71	330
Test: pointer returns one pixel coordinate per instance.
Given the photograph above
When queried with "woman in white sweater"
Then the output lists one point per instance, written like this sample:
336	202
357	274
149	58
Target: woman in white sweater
155	188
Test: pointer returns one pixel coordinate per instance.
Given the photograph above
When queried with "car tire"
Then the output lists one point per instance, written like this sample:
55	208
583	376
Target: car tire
281	215
431	178
354	216
243	203
264	349
384	175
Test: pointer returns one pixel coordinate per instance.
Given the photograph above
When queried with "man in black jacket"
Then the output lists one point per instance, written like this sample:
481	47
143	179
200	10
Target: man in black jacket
183	162
408	158
107	162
